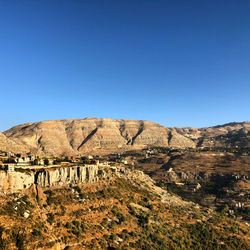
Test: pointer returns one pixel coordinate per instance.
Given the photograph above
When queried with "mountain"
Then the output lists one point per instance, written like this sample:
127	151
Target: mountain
7	144
100	136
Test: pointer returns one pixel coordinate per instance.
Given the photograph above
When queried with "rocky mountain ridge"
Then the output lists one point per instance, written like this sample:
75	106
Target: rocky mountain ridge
100	136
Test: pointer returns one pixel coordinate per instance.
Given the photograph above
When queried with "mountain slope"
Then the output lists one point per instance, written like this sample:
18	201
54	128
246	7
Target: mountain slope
124	211
96	135
7	144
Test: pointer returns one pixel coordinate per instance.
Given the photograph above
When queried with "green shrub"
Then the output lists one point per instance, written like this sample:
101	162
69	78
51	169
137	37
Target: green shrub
50	218
68	225
75	232
83	196
3	243
77	189
76	223
19	240
104	222
143	219
36	232
83	227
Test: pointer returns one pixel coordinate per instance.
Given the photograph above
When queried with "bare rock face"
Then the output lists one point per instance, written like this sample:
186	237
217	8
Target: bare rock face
180	141
100	136
79	136
67	175
7	144
3	181
13	181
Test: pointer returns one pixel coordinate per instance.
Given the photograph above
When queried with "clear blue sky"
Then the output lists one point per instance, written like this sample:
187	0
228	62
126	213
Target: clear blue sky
178	63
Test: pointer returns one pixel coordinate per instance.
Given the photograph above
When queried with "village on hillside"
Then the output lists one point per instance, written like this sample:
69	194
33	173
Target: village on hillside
10	161
191	182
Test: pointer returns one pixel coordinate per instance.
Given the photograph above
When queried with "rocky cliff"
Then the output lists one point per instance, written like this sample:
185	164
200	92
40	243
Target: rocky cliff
94	135
13	181
65	176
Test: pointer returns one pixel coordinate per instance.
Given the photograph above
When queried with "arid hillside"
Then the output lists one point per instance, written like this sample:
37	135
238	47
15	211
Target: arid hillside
7	144
123	210
101	136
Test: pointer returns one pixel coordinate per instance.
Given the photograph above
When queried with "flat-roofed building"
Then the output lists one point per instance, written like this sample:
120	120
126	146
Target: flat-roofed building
10	167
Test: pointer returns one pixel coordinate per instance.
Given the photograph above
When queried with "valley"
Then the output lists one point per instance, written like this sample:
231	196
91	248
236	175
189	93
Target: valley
124	184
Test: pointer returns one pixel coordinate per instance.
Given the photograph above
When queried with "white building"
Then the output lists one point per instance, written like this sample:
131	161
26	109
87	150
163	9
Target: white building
10	167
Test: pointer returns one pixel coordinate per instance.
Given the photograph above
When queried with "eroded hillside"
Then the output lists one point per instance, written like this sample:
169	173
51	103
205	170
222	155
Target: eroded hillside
7	145
102	136
215	178
123	210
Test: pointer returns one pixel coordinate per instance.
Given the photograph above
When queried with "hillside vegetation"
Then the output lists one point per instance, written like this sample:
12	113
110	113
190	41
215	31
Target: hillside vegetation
120	212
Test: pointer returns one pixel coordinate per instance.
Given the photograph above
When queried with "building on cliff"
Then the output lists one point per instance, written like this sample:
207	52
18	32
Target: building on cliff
10	167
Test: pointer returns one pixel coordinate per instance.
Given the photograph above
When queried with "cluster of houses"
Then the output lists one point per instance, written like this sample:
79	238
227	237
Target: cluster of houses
9	161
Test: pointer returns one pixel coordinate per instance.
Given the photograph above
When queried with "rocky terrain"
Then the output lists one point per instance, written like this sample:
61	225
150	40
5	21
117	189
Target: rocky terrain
212	177
7	145
109	202
57	176
102	136
123	210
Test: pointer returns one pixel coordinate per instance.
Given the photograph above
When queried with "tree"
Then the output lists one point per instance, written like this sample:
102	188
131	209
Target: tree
46	162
